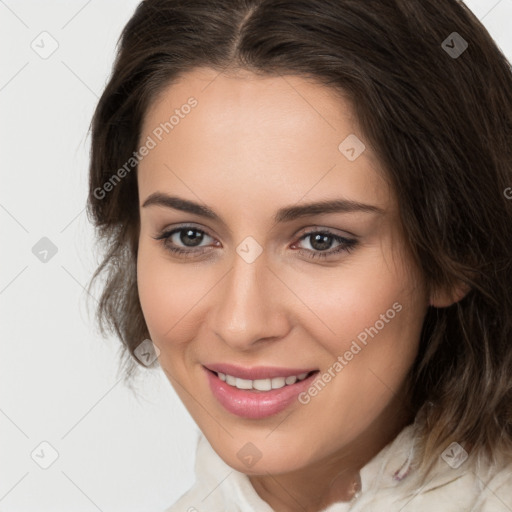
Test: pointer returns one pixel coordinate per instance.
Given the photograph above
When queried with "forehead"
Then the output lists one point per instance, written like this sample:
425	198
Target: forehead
252	132
261	106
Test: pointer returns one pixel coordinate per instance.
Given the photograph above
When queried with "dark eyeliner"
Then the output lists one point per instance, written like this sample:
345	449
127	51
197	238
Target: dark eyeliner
345	244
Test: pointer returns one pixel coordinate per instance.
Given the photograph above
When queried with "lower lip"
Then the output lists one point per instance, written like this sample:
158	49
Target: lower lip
256	404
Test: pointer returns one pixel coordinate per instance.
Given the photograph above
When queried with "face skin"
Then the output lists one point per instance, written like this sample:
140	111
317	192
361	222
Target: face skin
251	146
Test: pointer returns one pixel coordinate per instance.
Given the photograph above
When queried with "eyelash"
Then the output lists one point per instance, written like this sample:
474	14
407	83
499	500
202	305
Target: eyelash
346	244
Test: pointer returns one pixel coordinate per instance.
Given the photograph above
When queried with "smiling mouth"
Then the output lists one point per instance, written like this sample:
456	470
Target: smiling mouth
258	385
257	392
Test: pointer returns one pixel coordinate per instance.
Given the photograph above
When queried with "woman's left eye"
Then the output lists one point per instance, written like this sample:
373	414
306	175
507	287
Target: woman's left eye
191	238
321	241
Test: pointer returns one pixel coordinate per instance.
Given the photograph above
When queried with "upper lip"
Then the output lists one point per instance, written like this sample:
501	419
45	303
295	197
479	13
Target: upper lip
256	372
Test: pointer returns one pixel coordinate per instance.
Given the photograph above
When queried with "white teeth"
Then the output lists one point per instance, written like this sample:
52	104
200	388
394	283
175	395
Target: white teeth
243	383
278	382
261	384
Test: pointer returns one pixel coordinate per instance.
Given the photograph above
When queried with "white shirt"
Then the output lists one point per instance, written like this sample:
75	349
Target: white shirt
386	485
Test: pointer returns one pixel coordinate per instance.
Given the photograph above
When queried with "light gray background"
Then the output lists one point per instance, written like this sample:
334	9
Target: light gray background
58	377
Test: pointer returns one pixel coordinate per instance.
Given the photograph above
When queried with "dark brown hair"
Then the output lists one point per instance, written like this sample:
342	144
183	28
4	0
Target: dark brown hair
440	123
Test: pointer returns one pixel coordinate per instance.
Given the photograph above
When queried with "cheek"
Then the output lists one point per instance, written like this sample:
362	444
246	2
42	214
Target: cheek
345	301
367	362
151	291
172	298
163	293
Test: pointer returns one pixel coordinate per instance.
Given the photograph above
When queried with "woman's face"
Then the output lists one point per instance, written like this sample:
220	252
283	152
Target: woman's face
265	290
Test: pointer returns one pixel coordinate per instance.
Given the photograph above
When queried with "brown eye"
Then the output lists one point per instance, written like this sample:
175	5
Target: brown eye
185	240
321	241
190	237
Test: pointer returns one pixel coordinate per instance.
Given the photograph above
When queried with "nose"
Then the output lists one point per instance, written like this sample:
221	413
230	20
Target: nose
249	306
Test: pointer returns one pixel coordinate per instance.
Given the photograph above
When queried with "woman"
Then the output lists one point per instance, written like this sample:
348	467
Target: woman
304	208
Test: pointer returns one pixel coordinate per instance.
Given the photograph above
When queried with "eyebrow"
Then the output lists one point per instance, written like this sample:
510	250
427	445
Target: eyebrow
286	214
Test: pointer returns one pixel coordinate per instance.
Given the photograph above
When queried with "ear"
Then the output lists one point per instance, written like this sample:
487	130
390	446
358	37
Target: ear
442	298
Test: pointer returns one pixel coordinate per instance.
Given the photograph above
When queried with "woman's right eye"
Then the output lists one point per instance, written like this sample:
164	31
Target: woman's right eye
184	240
